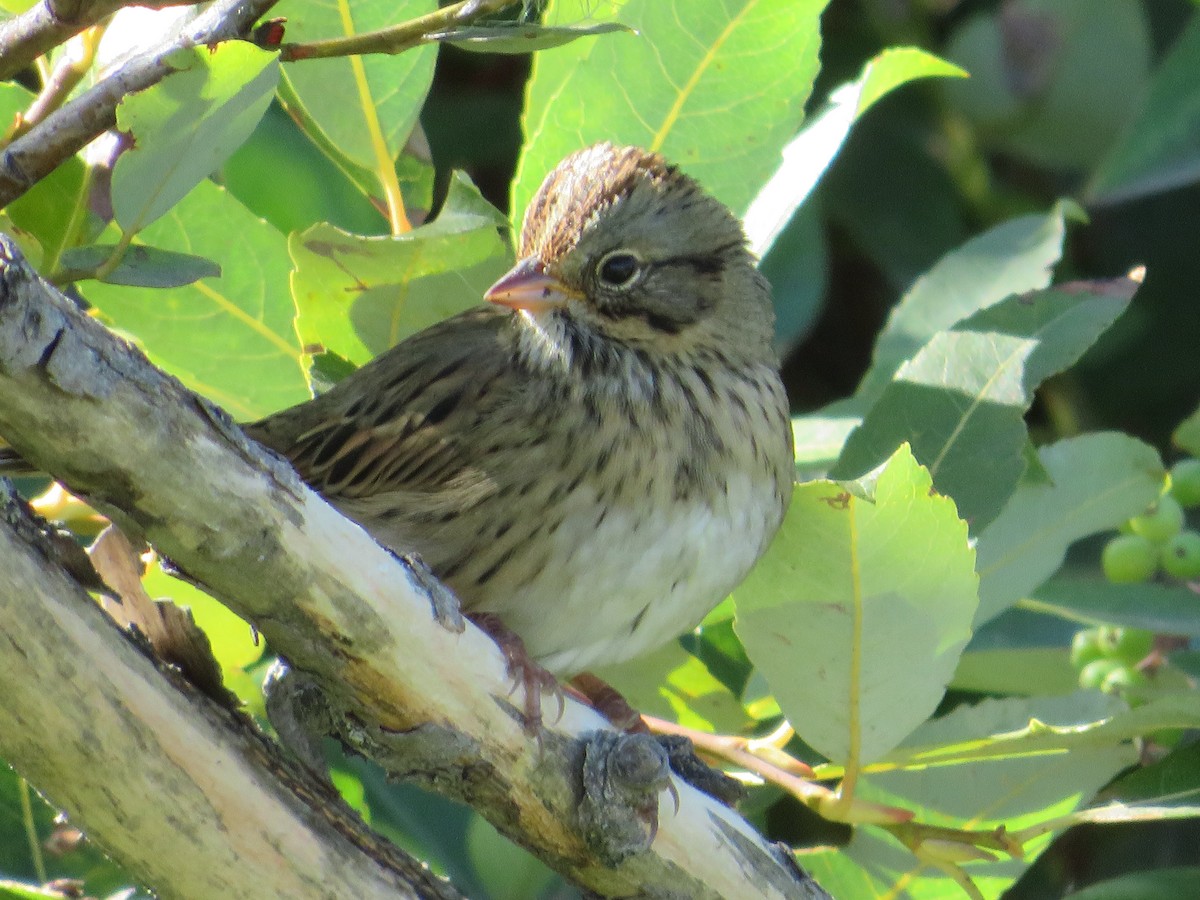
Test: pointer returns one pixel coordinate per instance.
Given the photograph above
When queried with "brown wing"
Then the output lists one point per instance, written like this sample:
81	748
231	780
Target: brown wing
401	423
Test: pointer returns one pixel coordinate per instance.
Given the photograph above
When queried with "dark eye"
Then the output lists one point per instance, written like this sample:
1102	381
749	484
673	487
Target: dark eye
618	268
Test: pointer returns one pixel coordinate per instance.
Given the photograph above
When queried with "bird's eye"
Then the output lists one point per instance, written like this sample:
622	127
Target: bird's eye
619	268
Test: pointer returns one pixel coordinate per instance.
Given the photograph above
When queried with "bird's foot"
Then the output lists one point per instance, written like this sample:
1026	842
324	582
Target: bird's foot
527	674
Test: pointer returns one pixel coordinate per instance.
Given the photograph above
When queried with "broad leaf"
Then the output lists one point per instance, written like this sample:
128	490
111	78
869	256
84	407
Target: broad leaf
521	37
1024	672
1161	608
185	126
1081	720
1052	81
725	89
1012	258
140	266
961	400
365	106
1187	434
1011	792
357	296
1161	149
1153	884
1095	483
809	154
851	592
233	338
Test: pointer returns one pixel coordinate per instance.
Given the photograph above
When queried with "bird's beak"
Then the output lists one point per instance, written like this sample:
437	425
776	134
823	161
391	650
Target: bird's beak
528	287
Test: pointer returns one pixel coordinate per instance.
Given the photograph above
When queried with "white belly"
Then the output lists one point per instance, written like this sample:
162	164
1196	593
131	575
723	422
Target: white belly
642	576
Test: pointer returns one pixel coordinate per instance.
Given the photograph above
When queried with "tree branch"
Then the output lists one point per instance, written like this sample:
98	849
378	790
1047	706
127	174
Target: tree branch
45	25
206	808
67	130
92	411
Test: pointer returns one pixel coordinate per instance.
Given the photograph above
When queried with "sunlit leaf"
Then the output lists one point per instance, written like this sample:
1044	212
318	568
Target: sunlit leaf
366	105
1096	482
232	338
724	88
961	399
809	154
357	296
850	593
1012	258
1161	149
185	126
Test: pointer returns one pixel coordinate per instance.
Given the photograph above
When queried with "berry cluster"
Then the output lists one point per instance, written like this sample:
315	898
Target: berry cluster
1107	658
1116	660
1158	537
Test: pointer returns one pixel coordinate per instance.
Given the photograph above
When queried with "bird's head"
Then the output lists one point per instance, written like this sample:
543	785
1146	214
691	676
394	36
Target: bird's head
621	248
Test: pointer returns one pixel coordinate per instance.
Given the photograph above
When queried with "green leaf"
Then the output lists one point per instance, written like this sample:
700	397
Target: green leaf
232	639
231	339
1161	148
521	37
809	154
961	400
796	268
1187	435
185	126
819	440
140	266
1153	884
875	865
14	890
1052	81
672	684
510	872
358	296
1028	672
1173	781
1013	792
1097	481
1011	258
1083	719
365	106
730	78
849	594
1161	608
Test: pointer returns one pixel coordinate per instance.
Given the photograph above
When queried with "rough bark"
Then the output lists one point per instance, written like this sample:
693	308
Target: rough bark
429	702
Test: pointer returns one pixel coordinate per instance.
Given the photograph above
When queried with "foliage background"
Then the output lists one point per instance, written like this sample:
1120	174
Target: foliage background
1087	99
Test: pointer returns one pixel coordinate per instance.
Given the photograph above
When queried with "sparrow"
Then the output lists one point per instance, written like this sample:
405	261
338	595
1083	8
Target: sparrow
597	456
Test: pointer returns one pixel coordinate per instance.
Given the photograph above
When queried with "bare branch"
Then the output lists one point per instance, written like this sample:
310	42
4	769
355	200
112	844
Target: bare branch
92	411
67	130
88	716
42	27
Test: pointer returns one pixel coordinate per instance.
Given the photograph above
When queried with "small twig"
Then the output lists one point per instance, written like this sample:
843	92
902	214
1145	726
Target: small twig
43	27
68	72
68	129
397	38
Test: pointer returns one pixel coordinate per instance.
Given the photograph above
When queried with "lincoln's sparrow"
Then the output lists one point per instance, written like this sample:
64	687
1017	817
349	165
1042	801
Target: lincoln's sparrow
598	456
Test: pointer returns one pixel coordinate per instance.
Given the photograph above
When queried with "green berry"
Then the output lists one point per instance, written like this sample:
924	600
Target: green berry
1122	679
1161	521
1094	673
1185	482
1128	646
1180	556
1128	559
1086	648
